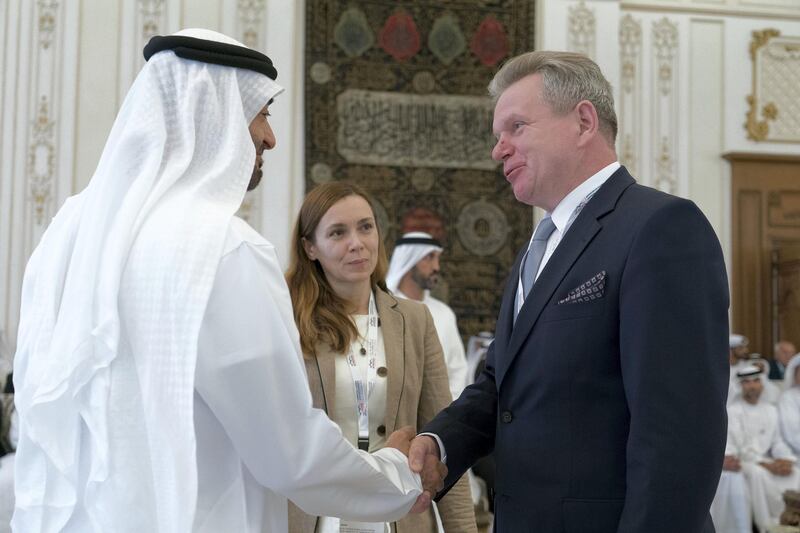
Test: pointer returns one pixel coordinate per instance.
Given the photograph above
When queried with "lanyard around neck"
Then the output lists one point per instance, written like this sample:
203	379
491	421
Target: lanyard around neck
363	385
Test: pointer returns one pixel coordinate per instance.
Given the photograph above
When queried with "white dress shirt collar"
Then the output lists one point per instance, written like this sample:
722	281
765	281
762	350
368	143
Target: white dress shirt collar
562	214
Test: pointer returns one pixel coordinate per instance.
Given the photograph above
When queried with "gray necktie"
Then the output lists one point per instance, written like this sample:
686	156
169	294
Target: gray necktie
536	252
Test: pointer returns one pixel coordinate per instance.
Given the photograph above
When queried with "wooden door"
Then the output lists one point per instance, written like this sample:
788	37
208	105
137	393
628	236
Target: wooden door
786	288
765	212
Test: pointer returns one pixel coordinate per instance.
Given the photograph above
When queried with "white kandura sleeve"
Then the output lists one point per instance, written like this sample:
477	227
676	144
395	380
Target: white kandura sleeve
789	419
250	373
778	447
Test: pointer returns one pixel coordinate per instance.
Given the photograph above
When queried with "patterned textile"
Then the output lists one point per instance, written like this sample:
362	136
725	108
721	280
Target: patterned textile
588	291
396	102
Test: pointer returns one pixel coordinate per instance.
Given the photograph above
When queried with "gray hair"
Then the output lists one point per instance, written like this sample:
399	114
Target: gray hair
567	78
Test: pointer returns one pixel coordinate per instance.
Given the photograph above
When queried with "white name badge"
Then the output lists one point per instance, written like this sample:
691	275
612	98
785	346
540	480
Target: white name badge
347	526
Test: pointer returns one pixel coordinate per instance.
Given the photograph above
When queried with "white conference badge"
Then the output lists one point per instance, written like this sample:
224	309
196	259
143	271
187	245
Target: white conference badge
347	526
331	524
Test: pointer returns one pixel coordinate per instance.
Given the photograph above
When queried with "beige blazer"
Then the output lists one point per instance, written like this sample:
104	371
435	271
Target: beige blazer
416	390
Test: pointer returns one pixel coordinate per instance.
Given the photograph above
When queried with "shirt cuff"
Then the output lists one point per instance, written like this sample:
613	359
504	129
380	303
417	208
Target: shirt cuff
442	452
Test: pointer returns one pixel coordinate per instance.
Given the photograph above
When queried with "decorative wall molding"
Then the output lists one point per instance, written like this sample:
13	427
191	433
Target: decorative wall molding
48	10
774	105
41	172
581	30
38	123
665	104
152	18
141	20
630	101
785	10
41	163
250	30
250	16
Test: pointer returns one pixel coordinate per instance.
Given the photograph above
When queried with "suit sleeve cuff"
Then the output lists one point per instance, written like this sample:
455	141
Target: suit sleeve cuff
442	452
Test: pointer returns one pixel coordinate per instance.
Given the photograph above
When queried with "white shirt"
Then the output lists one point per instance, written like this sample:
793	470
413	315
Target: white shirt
563	216
566	211
344	408
259	440
444	320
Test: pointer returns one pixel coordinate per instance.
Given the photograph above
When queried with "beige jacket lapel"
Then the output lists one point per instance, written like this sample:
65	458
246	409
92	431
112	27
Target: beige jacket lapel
393	329
321	370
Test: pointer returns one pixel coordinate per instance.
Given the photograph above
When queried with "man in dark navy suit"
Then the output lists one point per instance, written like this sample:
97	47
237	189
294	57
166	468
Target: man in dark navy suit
603	395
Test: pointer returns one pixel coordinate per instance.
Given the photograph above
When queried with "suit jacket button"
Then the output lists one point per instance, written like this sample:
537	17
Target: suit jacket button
381	430
506	417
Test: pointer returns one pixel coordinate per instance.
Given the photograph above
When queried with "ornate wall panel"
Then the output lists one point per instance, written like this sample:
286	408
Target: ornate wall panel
774	104
664	104
141	19
396	102
581	30
38	120
245	20
629	107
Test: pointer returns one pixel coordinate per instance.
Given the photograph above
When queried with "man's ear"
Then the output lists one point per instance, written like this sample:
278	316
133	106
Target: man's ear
588	121
309	248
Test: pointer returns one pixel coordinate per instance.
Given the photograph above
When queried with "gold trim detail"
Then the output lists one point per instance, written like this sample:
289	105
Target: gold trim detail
665	43
665	137
665	180
48	11
630	51
250	12
150	11
757	130
760	39
41	161
772	114
581	30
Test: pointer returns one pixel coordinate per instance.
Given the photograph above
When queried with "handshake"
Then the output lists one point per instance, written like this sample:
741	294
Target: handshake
423	459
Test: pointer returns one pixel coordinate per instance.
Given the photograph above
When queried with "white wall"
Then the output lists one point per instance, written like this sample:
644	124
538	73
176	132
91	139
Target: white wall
78	58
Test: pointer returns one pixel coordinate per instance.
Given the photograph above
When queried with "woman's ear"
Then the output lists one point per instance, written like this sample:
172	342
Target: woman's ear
309	248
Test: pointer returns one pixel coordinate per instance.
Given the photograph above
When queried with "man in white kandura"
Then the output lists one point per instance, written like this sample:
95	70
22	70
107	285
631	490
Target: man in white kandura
413	272
158	372
789	405
758	465
737	357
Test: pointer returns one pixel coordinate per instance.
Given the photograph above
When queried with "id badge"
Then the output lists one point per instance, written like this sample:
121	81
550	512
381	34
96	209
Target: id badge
347	526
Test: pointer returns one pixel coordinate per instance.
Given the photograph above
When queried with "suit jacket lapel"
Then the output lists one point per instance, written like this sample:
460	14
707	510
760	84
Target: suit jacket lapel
393	329
578	236
326	367
505	320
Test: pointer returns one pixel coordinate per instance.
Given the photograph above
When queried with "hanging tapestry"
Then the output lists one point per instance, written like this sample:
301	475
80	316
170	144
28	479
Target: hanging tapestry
396	102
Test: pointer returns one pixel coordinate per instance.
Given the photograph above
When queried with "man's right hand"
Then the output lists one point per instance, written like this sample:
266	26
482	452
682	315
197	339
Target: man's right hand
778	467
731	463
423	458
